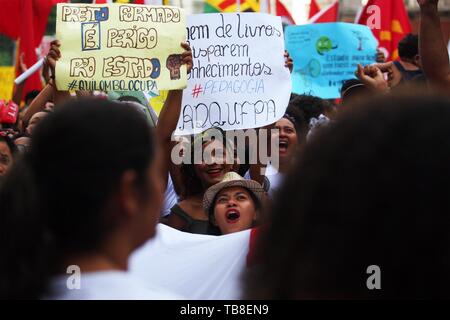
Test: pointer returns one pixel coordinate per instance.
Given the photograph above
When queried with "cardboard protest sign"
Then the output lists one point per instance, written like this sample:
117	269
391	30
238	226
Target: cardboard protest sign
238	79
7	75
327	54
120	47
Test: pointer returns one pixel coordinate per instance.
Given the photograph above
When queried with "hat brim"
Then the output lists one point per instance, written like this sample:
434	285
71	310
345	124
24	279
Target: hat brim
252	186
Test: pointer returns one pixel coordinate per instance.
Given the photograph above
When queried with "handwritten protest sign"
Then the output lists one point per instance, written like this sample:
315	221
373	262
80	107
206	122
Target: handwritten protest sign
6	82
326	54
120	47
238	79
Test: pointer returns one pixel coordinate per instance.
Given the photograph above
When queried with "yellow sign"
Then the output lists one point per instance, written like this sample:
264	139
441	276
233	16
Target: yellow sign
157	102
120	47
7	76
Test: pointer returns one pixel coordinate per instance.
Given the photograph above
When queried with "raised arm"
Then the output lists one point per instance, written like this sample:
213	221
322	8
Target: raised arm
18	89
53	56
49	92
433	52
168	119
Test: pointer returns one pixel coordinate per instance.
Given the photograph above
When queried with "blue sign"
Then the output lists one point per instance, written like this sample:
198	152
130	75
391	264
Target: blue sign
327	54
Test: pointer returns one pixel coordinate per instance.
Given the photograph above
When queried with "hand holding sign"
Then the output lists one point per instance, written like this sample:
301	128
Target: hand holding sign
186	56
53	55
289	63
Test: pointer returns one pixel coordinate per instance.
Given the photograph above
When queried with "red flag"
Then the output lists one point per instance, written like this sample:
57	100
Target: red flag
9	15
313	9
328	14
280	10
284	13
26	20
389	22
33	22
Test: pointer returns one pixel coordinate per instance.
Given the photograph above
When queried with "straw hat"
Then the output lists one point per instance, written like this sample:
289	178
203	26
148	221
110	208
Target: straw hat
232	179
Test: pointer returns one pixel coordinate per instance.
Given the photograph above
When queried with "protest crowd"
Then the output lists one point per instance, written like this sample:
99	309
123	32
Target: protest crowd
312	199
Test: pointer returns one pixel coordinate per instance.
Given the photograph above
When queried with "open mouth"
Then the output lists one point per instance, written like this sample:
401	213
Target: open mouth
232	216
283	146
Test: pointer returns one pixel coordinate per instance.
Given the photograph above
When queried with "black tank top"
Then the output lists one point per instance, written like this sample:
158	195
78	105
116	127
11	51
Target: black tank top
194	225
408	75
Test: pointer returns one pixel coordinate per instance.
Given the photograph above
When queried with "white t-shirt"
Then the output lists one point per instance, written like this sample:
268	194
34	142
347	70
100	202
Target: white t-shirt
106	285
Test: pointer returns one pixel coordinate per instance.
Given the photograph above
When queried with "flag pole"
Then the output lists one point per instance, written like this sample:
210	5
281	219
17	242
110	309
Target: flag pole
35	67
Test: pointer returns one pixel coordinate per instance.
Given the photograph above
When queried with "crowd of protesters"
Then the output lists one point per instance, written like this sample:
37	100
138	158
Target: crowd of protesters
84	181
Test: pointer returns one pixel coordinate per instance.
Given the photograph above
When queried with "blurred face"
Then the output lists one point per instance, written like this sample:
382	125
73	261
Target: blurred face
5	158
212	170
288	139
234	210
147	205
35	119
